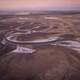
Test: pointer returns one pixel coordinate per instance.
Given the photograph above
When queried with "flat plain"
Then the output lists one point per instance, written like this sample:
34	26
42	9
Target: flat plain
54	41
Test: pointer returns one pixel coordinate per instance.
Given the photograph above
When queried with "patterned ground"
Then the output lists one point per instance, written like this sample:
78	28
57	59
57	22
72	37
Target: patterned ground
59	60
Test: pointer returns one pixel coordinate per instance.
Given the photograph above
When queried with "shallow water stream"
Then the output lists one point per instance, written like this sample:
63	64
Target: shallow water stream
40	39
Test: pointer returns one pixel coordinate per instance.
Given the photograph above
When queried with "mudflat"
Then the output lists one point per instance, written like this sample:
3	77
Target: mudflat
54	39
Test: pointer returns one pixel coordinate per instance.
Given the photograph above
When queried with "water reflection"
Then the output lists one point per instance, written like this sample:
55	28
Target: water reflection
22	50
26	41
22	39
75	45
36	33
36	37
34	27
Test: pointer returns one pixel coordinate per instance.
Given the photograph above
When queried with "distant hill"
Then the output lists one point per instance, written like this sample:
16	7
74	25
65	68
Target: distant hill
37	12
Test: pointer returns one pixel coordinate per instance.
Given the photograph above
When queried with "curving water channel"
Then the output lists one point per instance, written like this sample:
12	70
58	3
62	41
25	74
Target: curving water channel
71	44
35	33
34	27
40	39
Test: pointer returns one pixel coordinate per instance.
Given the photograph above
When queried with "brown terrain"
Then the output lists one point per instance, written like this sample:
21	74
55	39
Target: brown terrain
54	43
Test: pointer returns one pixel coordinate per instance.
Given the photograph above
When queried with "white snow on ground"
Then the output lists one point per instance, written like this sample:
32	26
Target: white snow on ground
43	40
23	50
70	43
75	45
13	39
48	17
